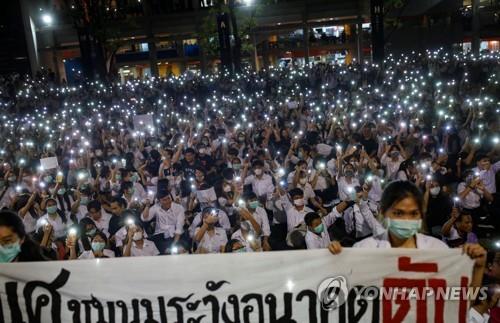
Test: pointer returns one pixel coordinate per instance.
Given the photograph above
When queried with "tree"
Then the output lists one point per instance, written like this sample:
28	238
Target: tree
96	25
242	24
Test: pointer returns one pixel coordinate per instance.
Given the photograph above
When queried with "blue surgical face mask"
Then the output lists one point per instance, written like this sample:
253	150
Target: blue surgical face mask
61	191
242	249
52	209
403	229
9	252
48	179
98	246
253	204
319	229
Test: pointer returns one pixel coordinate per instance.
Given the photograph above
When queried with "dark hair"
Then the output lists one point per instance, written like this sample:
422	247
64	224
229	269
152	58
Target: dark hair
399	190
94	204
296	192
189	150
482	156
258	163
229	246
250	196
30	250
119	200
310	217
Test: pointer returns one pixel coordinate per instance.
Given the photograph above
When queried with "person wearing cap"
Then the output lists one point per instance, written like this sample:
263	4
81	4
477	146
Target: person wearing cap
137	245
169	217
209	236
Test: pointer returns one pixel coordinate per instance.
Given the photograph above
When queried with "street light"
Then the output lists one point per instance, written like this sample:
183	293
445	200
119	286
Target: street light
47	19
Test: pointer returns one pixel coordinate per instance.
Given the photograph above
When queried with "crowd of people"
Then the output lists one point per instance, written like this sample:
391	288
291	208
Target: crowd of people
404	153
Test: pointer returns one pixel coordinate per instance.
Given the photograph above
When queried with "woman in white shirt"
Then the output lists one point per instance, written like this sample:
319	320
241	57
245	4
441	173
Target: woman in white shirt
392	158
98	248
136	245
402	208
210	237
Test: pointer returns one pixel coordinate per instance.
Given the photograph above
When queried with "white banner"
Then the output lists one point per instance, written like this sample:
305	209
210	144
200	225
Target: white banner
257	287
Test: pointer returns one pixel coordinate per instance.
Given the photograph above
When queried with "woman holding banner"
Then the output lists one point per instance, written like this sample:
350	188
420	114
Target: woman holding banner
402	208
15	245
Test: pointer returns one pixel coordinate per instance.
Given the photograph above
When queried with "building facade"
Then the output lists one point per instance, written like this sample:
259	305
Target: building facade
164	37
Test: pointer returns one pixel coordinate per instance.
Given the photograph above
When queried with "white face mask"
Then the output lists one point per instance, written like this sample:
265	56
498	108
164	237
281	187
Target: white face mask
435	190
298	202
137	236
258	171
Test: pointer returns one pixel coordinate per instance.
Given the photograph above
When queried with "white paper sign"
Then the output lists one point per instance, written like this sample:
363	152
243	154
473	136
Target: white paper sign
206	196
49	163
143	122
281	286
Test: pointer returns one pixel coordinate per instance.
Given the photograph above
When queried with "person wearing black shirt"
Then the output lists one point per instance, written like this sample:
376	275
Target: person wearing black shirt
439	205
368	142
117	206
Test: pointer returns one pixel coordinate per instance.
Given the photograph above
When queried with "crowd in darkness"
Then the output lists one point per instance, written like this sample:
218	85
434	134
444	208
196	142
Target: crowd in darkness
401	154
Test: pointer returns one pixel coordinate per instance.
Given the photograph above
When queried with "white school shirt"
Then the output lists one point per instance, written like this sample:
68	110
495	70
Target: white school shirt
308	192
375	193
471	200
213	244
58	226
169	222
103	223
294	217
237	235
148	249
392	166
319	241
89	254
488	176
261	187
223	222
261	218
475	317
344	194
382	241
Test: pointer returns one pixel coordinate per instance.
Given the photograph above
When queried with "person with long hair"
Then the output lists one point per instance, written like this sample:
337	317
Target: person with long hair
15	244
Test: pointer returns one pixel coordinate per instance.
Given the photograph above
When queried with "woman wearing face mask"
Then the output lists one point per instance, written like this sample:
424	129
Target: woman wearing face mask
136	245
402	208
98	248
15	244
437	205
55	219
209	236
